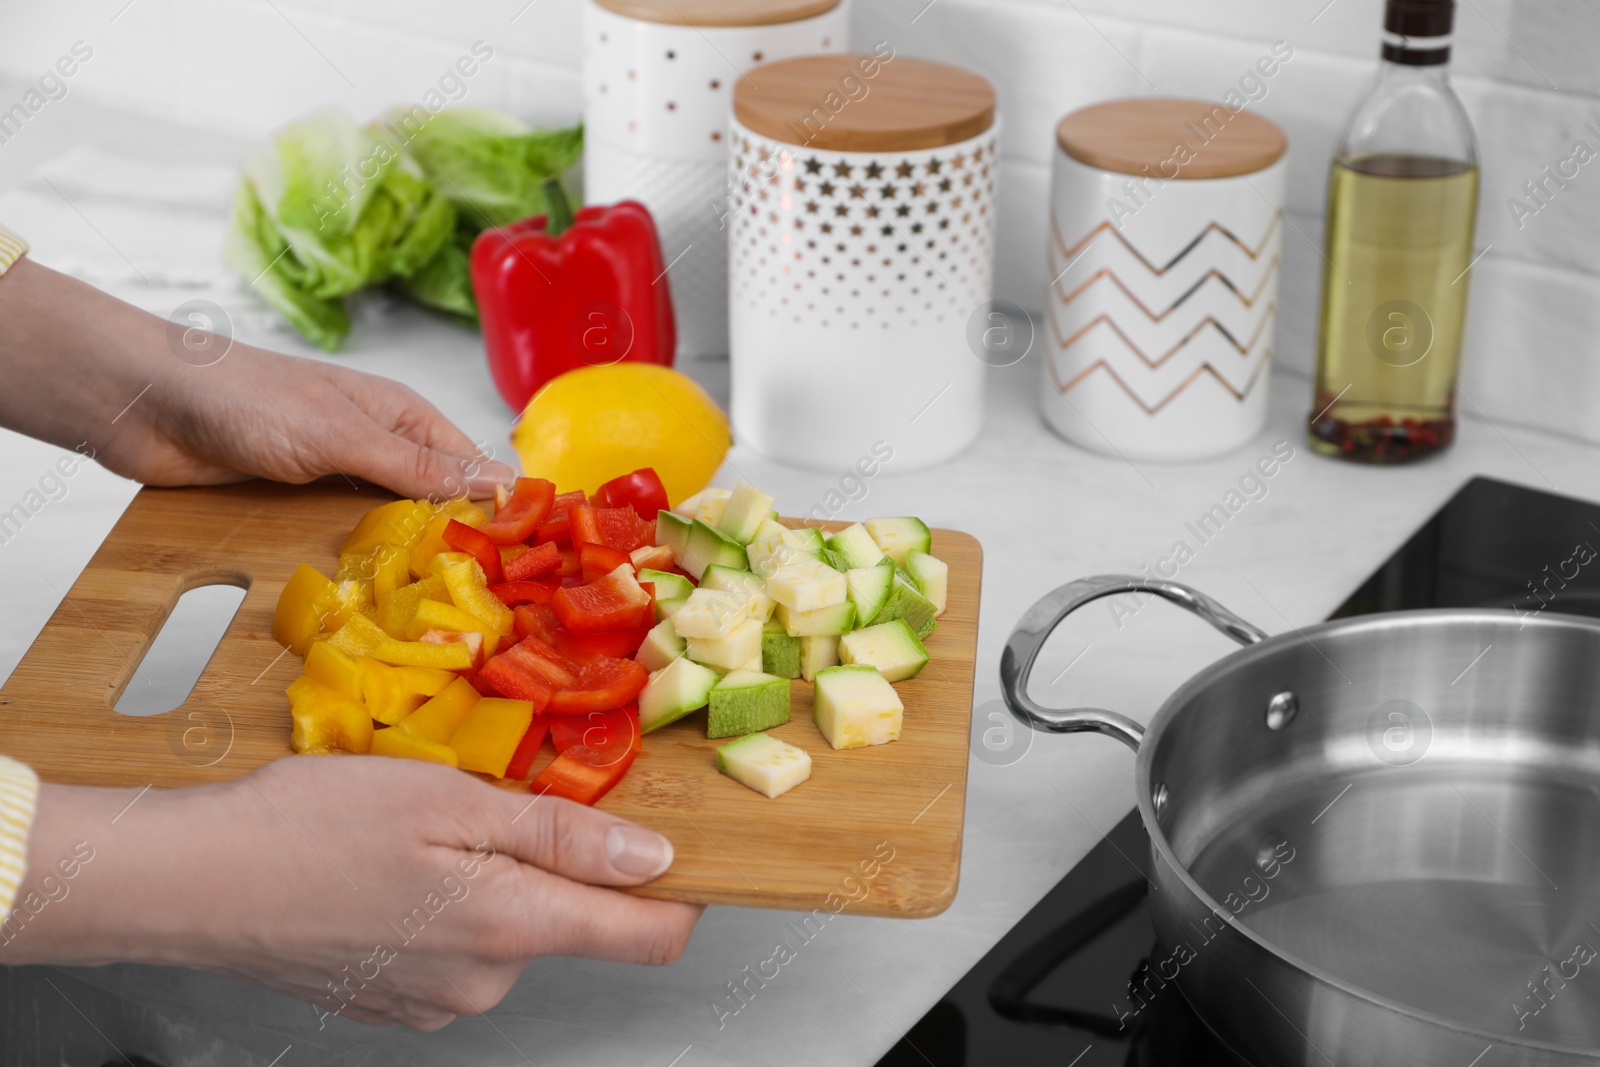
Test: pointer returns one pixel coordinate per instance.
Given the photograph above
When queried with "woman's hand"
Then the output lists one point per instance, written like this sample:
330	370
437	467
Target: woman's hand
380	890
83	368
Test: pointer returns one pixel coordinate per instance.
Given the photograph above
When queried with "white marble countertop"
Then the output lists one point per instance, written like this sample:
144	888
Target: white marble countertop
1045	513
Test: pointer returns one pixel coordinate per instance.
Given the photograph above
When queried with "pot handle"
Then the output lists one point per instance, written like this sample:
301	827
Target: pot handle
1036	625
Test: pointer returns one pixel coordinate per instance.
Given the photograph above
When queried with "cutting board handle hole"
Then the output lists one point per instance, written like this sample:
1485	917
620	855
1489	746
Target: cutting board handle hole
164	678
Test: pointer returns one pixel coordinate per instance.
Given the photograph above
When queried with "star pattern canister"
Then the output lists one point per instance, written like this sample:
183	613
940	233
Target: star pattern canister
1165	248
657	78
860	247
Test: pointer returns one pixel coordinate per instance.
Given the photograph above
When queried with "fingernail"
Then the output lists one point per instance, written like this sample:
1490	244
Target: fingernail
489	475
638	852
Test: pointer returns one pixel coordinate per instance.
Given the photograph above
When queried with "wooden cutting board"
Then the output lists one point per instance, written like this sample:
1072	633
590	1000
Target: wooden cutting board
831	835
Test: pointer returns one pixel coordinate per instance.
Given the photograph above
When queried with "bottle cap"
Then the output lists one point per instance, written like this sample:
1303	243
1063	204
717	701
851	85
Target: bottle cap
1417	32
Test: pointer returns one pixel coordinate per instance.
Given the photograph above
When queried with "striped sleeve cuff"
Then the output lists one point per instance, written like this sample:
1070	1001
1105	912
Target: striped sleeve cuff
12	248
19	790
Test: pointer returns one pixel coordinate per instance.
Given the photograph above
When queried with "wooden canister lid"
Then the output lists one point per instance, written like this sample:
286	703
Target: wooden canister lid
1159	135
856	102
713	13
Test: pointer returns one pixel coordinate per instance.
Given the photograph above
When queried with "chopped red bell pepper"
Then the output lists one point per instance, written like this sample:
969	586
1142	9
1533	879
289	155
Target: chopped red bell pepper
463	538
513	593
615	602
541	660
555	526
597	561
574	774
604	736
535	620
477	682
602	684
618	528
585	647
642	490
517	519
555	297
511	679
528	749
534	563
571	566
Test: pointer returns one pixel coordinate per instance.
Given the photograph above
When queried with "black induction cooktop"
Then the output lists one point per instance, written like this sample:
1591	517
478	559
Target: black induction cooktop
1059	987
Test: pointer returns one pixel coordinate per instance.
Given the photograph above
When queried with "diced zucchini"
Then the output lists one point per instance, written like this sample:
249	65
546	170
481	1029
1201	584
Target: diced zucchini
931	577
742	515
672	530
739	647
769	766
892	647
855	707
666	609
745	702
780	653
869	588
661	646
754	666
710	613
709	545
770	531
806	585
897	537
668	586
807	539
766	559
822	622
746	583
854	547
679	688
706	505
906	603
817	654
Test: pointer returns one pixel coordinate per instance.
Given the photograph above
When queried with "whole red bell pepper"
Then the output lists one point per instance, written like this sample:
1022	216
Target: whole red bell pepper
554	297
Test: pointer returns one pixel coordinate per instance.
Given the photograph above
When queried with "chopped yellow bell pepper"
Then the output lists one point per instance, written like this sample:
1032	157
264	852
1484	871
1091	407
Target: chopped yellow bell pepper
325	720
396	523
392	693
490	735
446	656
382	570
393	570
427	545
309	605
396	608
358	636
439	718
437	565
463	510
469	590
406	746
335	669
432	615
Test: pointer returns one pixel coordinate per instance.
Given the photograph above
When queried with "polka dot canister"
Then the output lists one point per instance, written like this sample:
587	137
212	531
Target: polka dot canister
657	79
861	245
1165	248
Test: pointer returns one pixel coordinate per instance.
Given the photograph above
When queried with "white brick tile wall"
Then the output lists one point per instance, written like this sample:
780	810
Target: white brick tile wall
1525	70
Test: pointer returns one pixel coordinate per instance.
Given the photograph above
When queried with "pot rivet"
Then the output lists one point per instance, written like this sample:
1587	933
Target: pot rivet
1160	799
1281	710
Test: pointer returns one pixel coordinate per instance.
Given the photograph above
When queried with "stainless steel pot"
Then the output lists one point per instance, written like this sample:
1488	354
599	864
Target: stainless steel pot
1373	841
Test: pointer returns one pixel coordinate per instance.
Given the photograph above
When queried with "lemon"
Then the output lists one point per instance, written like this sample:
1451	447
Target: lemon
593	424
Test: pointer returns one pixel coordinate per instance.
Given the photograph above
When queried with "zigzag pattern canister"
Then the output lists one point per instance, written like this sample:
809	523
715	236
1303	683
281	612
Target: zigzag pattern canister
1163	300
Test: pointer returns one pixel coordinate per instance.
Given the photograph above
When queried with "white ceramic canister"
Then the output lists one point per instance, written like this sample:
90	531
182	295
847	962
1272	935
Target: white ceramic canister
862	245
1165	253
657	78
